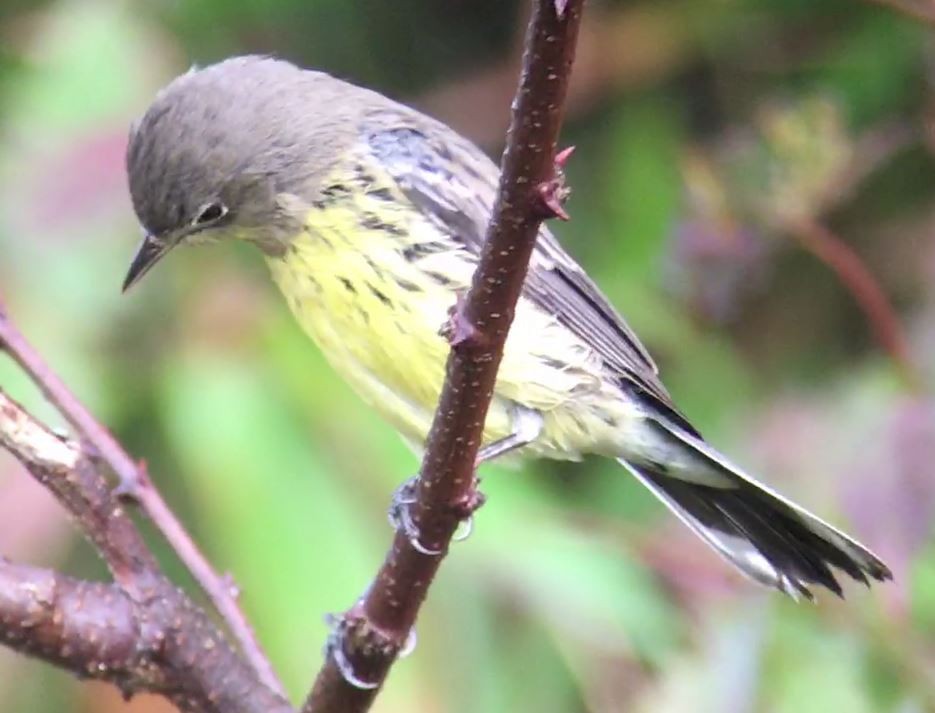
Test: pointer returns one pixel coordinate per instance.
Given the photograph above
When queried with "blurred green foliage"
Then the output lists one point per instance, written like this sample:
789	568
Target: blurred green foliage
701	127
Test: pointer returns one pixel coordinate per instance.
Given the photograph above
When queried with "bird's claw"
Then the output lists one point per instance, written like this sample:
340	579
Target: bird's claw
465	529
403	497
400	516
409	645
411	530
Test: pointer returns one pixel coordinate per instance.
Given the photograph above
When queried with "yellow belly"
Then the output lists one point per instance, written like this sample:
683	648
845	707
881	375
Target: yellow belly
374	303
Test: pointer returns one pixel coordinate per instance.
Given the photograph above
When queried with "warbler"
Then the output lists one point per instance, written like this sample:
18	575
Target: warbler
371	217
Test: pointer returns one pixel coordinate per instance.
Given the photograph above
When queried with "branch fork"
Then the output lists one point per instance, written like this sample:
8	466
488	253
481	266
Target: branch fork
140	632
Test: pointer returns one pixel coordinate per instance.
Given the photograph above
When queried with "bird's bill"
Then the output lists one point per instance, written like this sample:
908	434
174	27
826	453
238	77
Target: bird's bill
148	254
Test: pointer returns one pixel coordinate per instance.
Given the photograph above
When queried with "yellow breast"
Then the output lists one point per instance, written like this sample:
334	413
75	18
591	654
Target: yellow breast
372	282
354	283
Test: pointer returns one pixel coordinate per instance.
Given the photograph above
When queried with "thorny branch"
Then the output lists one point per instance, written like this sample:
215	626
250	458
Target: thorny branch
372	633
136	485
140	633
69	474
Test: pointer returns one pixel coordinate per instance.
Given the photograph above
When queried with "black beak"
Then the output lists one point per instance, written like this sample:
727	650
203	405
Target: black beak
148	254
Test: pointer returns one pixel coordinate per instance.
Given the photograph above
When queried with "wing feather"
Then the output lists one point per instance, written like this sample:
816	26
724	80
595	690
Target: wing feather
419	155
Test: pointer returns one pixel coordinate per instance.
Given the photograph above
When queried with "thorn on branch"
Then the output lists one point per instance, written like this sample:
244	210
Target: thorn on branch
129	489
459	330
561	158
230	584
553	193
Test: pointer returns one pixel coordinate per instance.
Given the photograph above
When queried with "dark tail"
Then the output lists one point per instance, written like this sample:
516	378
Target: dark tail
767	537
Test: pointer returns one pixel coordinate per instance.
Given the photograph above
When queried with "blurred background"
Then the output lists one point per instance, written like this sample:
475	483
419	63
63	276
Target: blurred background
738	162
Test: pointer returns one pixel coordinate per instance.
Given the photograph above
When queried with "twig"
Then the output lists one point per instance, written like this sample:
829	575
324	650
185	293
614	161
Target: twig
140	633
374	630
864	288
64	469
135	482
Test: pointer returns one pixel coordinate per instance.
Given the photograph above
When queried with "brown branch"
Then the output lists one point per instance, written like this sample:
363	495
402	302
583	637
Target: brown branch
374	630
136	483
85	627
864	288
141	633
64	469
162	645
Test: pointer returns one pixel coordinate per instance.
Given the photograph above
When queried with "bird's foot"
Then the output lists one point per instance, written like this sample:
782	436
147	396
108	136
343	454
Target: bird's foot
465	510
400	514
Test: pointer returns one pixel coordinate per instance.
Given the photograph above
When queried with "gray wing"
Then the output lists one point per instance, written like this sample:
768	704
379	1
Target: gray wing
461	205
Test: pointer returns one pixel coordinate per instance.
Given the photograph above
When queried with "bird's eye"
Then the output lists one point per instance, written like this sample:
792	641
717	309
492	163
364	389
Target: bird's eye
210	212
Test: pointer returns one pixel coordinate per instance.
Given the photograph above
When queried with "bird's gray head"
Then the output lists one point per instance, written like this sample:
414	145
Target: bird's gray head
230	151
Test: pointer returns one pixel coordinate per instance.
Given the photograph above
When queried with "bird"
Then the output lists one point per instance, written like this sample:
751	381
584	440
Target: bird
371	216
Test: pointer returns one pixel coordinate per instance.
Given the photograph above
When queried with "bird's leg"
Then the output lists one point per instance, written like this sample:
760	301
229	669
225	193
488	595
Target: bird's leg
526	425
